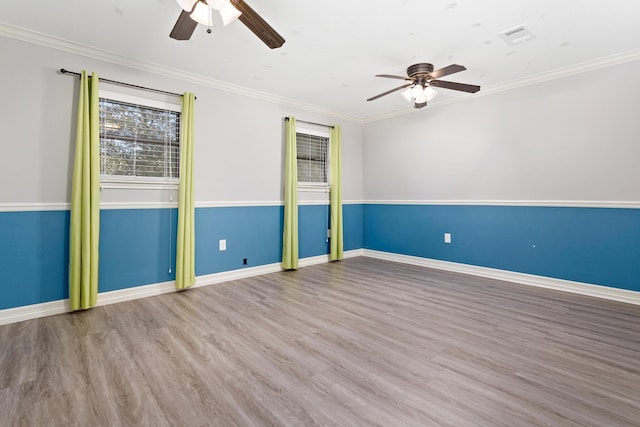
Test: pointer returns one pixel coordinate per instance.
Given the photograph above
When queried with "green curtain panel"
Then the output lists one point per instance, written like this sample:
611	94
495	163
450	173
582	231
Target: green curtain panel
84	232
335	236
290	228
185	241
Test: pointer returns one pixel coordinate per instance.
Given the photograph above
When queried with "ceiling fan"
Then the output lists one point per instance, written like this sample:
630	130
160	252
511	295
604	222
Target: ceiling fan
422	80
196	12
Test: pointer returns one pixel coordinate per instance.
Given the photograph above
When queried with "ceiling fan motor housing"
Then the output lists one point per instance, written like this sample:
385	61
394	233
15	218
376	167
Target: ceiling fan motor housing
419	70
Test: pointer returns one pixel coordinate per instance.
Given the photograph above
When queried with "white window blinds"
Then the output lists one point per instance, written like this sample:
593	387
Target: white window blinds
313	162
138	140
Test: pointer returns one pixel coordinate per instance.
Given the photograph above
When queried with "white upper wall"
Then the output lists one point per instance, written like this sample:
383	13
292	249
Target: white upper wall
572	139
239	139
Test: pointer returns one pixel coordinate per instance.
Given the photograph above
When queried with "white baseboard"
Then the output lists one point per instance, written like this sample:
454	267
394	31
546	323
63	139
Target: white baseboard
226	276
244	273
322	259
128	294
605	292
34	311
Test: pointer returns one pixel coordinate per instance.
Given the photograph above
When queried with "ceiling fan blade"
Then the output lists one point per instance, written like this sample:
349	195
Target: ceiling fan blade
184	28
389	91
390	76
257	25
455	86
453	68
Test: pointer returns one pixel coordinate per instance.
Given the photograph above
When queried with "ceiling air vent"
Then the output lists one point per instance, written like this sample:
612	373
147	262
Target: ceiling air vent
517	35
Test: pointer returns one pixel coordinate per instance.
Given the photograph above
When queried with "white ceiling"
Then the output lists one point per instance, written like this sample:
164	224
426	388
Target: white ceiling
334	47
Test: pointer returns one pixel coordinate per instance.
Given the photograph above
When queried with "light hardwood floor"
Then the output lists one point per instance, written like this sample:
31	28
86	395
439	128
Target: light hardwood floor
358	342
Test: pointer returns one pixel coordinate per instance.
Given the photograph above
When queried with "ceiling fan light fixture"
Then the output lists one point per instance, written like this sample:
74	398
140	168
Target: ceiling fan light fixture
430	93
218	4
202	14
417	91
186	4
229	14
406	94
419	95
421	99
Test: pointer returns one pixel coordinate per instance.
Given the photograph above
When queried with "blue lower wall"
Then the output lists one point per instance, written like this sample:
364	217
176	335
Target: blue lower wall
590	245
34	257
255	233
137	246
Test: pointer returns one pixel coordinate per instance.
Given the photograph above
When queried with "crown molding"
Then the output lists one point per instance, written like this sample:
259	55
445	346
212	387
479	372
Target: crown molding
391	115
52	42
103	55
558	73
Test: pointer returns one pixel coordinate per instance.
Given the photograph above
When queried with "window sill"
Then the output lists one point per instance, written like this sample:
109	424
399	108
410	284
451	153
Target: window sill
138	184
314	188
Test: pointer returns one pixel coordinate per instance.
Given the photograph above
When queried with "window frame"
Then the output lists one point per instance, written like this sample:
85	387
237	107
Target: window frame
316	186
140	182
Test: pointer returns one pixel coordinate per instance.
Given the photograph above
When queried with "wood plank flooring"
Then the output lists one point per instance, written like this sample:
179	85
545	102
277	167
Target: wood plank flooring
360	342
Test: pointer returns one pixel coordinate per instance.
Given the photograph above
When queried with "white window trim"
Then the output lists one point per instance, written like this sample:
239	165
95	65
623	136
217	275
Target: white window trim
139	182
317	187
132	99
313	187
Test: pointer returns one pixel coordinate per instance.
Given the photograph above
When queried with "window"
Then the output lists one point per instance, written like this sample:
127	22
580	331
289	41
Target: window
139	139
313	158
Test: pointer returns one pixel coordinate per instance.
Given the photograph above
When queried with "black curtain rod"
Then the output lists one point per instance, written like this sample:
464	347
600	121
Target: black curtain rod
311	123
63	71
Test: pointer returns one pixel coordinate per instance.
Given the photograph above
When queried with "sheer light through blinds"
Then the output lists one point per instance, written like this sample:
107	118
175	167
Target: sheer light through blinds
312	158
138	141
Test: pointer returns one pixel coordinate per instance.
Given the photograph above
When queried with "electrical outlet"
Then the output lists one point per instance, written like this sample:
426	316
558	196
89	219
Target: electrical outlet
244	261
222	245
447	237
